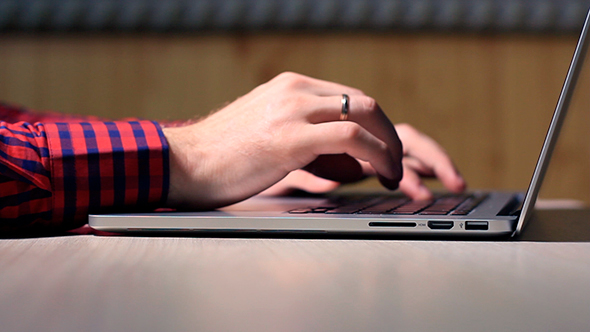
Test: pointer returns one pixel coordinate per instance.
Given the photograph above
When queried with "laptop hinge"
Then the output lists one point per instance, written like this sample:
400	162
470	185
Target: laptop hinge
512	208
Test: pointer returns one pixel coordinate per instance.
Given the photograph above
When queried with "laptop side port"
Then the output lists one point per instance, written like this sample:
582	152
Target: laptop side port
476	225
391	224
440	224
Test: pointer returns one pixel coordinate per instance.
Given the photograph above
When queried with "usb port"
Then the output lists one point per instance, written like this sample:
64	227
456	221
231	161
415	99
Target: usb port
477	225
440	224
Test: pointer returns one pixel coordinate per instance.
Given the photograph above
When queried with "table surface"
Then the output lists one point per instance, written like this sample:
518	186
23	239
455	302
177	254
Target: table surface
540	282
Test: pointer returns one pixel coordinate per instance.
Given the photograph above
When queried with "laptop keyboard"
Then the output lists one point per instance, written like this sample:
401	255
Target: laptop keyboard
443	205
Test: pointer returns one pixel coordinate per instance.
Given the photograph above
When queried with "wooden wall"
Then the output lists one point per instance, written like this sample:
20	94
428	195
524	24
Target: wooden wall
486	98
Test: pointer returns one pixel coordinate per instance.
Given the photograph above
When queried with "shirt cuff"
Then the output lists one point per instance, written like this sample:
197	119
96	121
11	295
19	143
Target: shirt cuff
105	166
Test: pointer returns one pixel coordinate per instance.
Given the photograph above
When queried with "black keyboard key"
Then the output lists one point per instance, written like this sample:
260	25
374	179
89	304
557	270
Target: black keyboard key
444	205
384	207
453	204
354	207
412	207
471	203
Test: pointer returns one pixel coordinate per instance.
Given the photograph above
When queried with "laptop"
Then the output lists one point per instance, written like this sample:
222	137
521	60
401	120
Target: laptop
366	214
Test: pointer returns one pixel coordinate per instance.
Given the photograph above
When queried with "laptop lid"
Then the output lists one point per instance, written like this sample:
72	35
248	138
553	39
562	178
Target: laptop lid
559	115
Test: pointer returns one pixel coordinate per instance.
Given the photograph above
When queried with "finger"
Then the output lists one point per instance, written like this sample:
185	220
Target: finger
368	170
362	110
313	184
418	167
352	139
412	185
432	156
337	167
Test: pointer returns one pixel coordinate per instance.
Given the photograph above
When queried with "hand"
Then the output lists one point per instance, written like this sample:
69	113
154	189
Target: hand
290	123
423	157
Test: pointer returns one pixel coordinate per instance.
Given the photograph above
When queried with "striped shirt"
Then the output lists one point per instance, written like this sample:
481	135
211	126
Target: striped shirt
55	169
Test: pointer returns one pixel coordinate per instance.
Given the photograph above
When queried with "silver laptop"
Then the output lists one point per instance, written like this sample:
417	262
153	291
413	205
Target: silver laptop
362	214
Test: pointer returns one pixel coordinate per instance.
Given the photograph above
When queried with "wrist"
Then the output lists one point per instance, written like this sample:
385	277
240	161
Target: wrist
178	171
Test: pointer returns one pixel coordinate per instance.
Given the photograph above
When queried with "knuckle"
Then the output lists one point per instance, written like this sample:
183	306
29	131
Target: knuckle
292	80
383	147
285	75
368	105
402	126
405	129
371	105
350	131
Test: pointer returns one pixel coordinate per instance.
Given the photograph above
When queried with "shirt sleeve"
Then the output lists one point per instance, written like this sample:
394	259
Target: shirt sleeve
55	174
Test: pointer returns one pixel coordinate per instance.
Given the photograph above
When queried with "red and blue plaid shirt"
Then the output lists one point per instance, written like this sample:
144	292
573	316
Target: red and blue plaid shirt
55	169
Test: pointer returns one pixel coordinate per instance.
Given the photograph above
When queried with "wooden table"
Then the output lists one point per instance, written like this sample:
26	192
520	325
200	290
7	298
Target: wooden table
94	283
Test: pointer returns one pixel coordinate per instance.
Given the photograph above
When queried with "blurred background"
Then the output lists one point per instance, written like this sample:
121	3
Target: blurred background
480	76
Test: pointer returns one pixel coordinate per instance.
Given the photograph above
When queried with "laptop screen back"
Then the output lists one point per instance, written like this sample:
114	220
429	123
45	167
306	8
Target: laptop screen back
569	87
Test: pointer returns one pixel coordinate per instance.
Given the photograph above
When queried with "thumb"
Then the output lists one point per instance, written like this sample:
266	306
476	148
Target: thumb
301	180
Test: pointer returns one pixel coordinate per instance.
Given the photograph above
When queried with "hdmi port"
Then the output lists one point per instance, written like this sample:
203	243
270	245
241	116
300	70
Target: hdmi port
440	224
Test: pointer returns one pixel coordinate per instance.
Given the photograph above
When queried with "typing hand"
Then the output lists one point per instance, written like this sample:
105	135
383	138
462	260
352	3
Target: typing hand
292	122
423	157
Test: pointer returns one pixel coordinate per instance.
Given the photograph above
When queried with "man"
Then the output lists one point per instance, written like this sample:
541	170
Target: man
291	132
